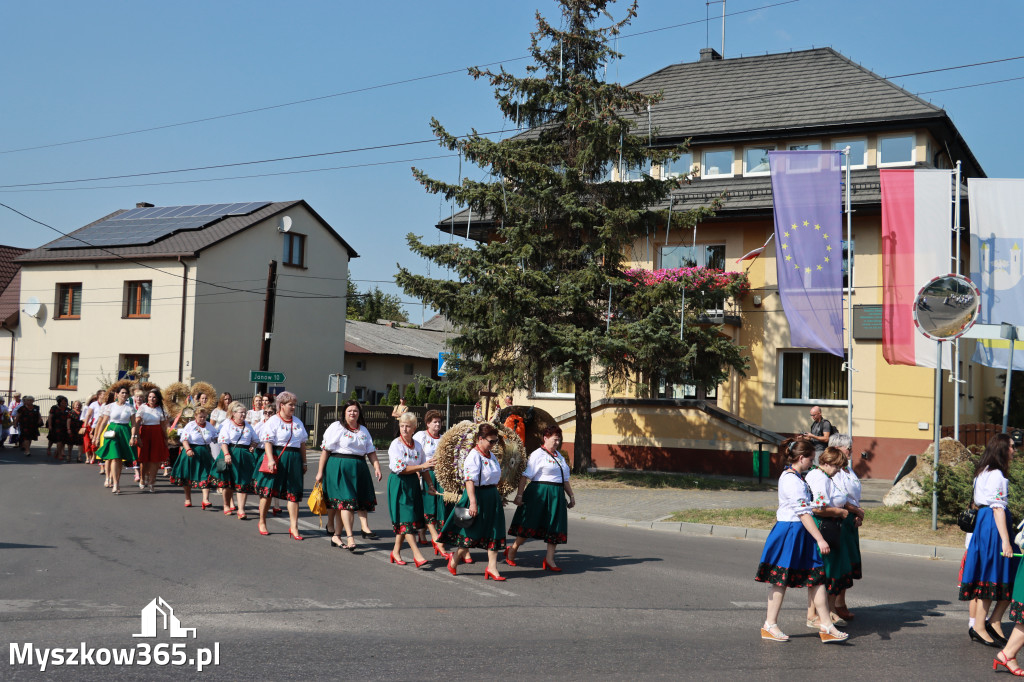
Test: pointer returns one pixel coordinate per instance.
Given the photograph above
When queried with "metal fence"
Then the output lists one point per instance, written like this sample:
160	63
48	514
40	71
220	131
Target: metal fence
379	422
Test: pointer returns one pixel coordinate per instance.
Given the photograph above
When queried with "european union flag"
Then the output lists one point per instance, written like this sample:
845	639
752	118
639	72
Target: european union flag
807	194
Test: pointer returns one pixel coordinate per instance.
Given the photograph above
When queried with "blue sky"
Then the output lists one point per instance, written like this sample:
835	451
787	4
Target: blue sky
79	70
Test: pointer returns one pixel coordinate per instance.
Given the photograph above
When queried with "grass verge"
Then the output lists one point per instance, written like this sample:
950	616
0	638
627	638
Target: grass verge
621	479
891	524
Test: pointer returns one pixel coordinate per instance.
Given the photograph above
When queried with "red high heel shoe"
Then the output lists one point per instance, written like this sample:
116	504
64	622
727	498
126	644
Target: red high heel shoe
1016	672
419	563
490	576
510	562
227	511
207	504
441	552
276	511
397	561
295	536
548	567
242	516
262	532
451	564
468	559
188	503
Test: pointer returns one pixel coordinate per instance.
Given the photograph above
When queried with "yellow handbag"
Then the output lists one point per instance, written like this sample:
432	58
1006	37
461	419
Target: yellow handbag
316	502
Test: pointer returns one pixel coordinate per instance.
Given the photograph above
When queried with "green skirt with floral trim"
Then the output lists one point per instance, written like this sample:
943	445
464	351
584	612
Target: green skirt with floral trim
433	505
543	514
286	483
488	529
118	445
851	541
239	473
838	570
348	484
405	503
193	471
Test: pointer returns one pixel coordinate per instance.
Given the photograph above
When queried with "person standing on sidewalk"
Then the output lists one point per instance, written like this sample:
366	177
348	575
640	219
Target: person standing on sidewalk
821	431
789	558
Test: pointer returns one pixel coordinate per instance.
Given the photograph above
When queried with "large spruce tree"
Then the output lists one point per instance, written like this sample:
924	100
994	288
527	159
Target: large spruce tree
532	299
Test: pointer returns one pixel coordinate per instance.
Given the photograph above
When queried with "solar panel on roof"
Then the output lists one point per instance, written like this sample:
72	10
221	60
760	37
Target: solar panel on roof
141	226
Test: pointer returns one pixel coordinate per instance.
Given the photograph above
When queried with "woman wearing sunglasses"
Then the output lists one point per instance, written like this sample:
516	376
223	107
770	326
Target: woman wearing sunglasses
481	472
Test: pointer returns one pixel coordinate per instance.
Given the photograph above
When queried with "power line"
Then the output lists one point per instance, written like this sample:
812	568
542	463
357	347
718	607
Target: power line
973	85
368	88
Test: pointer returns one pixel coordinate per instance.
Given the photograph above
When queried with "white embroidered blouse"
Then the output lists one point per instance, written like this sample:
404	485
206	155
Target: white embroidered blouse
277	431
193	434
401	456
824	491
991	489
481	470
231	433
339	438
546	468
794	497
427	442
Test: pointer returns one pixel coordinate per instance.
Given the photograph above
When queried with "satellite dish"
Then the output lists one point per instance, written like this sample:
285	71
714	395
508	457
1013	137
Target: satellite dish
284	224
32	307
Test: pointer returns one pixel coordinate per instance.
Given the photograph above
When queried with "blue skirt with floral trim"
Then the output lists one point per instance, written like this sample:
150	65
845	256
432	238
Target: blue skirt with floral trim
790	557
987	574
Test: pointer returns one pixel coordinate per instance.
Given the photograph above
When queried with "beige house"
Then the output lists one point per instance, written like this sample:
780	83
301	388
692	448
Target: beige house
382	354
734	111
179	291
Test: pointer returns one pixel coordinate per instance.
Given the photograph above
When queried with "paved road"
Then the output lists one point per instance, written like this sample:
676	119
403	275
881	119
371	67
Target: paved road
78	564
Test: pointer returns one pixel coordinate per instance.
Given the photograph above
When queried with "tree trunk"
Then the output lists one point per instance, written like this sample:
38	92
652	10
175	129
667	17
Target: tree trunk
584	422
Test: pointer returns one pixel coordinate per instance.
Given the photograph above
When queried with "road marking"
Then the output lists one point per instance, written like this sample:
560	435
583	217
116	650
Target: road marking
383	556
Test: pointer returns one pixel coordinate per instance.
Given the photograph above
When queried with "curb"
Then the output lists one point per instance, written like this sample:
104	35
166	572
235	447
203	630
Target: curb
759	534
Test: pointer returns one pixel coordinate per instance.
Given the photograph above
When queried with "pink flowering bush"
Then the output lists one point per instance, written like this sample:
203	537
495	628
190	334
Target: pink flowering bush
696	278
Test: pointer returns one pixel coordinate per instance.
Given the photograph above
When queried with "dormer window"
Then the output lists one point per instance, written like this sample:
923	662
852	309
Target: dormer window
896	150
681	166
717	163
755	160
858	151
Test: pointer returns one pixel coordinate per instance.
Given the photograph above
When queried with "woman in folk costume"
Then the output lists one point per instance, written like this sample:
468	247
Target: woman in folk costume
236	464
542	511
347	483
117	437
989	566
434	512
791	555
284	442
847	479
151	420
90	416
405	497
830	502
194	463
482	473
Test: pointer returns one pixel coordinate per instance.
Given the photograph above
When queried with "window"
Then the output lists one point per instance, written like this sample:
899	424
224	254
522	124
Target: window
408	369
294	250
755	160
361	365
360	393
806	376
69	301
685	392
681	166
858	152
636	174
138	297
65	371
896	150
717	163
703	255
847	276
137	364
554	386
805	147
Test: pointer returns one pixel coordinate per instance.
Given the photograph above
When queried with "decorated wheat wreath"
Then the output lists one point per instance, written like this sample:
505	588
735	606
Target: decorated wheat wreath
458	441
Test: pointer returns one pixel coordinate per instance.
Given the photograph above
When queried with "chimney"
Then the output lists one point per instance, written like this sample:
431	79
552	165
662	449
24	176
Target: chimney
143	204
709	54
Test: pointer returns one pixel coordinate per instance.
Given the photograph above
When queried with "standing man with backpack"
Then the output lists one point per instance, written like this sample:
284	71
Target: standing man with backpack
821	430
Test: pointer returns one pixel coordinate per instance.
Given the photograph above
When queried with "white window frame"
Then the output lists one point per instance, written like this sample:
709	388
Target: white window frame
789	147
704	166
839	145
882	163
661	248
805	381
666	174
749	173
552	394
625	171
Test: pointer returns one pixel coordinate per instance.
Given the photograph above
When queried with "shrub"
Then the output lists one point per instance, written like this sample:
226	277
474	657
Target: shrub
956	488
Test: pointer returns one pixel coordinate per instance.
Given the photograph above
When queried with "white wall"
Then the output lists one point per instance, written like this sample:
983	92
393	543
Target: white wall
100	335
309	334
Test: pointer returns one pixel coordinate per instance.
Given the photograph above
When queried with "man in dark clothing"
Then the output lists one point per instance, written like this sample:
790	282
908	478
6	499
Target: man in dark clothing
820	431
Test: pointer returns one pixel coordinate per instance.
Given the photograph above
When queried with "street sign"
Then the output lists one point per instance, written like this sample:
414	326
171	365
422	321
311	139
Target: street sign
442	363
337	383
275	390
256	376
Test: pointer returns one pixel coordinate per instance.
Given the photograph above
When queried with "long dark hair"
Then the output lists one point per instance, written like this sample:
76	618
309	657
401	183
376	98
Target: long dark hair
344	409
792	449
996	455
159	396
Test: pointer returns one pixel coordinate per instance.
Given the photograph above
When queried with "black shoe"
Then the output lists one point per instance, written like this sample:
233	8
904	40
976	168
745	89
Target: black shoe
329	531
370	536
995	635
975	637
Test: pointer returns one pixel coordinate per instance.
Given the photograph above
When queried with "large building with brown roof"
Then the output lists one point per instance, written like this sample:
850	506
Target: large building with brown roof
179	291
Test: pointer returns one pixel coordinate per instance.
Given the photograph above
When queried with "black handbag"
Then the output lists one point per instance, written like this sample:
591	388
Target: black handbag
967	518
829	529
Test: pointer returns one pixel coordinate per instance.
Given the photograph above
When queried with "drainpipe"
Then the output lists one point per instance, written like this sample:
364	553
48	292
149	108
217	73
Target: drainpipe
184	302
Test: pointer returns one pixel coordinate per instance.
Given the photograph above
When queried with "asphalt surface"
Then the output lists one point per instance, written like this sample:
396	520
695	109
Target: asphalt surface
79	564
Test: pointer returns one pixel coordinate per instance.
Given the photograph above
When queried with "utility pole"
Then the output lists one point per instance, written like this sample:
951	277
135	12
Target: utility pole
268	322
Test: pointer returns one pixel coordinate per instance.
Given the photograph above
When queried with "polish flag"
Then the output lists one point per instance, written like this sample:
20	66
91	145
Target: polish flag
917	221
754	253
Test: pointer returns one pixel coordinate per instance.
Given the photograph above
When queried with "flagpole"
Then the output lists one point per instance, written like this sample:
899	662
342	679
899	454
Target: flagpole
849	301
956	344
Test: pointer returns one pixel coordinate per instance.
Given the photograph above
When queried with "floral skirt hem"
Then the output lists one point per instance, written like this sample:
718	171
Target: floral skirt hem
197	485
279	494
408	527
1016	612
789	577
351	505
534	534
456	540
989	591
